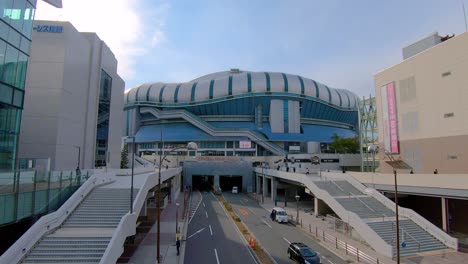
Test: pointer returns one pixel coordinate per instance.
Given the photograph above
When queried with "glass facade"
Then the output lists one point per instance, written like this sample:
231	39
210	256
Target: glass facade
102	131
16	20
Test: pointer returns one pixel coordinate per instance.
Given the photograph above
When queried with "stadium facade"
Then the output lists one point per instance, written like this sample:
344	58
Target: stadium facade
240	113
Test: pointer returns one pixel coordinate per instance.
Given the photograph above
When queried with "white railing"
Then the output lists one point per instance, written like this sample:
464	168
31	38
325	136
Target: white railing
127	225
355	221
409	214
50	222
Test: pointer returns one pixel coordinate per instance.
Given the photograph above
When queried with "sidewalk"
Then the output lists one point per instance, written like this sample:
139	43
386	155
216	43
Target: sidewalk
146	251
308	218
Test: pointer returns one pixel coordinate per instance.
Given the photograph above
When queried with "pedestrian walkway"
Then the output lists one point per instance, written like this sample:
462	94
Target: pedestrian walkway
146	251
309	220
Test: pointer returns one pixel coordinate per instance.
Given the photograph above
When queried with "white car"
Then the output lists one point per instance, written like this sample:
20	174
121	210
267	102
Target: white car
235	189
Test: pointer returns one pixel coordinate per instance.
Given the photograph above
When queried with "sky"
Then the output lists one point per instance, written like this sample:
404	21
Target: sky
339	43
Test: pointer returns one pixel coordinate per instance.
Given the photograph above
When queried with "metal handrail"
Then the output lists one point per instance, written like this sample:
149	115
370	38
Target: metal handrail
406	232
365	204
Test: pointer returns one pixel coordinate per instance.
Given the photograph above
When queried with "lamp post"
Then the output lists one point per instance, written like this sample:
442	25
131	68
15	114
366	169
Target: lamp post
297	207
190	146
395	164
177	219
78	172
133	162
263	182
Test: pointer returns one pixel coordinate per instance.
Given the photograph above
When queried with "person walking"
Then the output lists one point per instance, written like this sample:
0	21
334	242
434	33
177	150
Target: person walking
178	246
307	171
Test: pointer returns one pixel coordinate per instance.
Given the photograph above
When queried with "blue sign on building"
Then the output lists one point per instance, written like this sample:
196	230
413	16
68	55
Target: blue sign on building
48	28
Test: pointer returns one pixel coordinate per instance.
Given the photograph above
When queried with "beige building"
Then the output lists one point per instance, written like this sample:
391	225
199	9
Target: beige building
427	122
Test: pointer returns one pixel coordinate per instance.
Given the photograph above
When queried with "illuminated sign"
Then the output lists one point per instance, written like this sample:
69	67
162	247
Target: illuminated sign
48	28
390	121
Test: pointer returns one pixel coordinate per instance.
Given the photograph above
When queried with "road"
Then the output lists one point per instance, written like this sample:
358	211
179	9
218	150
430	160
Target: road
275	237
213	238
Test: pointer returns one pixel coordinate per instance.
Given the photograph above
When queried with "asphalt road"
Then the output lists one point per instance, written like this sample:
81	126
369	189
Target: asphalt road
213	238
275	237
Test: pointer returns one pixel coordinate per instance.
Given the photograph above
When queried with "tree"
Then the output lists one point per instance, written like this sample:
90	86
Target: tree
124	157
344	145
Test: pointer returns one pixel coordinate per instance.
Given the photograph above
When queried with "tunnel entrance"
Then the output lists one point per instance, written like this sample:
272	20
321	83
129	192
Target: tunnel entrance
226	182
202	182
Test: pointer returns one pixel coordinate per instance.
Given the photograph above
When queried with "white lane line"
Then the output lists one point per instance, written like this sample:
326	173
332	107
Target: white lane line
287	241
267	224
196	233
216	254
211	230
203	204
206	214
331	262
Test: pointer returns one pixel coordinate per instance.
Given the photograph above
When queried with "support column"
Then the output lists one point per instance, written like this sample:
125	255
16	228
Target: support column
258	183
274	188
264	186
445	224
316	206
216	182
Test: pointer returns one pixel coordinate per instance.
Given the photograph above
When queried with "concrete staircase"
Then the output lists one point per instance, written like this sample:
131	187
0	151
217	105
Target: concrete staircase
381	219
416	239
85	235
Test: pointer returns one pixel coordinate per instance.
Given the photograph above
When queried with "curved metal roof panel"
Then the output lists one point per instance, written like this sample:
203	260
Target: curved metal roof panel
230	83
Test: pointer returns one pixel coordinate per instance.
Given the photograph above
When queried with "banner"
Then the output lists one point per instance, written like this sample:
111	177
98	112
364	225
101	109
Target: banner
390	119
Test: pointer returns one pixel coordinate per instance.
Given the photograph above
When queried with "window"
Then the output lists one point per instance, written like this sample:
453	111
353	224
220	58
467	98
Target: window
102	130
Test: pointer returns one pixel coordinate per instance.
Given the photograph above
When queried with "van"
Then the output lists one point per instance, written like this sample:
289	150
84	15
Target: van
235	189
279	215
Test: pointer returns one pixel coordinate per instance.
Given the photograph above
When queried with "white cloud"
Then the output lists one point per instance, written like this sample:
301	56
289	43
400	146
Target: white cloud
119	23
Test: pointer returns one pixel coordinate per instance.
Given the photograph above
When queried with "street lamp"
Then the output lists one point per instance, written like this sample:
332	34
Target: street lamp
78	172
190	146
263	182
297	207
133	161
395	164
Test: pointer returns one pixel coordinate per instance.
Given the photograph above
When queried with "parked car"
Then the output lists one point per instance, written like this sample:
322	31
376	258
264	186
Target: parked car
301	253
235	189
279	215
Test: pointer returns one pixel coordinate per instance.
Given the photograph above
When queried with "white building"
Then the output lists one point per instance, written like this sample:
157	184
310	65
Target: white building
74	100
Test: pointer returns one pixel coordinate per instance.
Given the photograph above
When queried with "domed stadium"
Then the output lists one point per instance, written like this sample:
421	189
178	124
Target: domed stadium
240	113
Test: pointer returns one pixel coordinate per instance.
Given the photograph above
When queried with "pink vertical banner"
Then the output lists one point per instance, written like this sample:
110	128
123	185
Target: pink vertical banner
392	118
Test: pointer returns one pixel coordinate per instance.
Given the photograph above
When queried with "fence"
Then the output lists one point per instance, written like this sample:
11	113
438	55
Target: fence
28	193
338	243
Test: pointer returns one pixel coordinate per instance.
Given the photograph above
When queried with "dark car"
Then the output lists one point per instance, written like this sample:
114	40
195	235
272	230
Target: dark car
302	254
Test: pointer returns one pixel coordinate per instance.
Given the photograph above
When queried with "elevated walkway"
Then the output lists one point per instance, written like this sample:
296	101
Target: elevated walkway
215	131
91	226
371	214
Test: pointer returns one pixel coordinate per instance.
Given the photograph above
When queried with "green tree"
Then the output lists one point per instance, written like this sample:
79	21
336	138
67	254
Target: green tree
344	145
124	157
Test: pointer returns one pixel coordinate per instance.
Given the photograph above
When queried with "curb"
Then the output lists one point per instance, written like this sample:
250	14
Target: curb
185	230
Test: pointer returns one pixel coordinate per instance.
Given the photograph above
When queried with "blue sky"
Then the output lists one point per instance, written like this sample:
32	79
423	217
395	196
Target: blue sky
338	43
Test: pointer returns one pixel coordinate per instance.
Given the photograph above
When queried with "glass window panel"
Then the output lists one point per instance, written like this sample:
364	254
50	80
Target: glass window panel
18	98
28	20
4	29
5	9
2	55
6	94
17	14
21	70
14	38
9	67
25	45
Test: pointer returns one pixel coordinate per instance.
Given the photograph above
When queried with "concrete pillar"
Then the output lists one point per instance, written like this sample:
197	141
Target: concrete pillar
274	188
216	181
264	186
444	215
258	183
316	206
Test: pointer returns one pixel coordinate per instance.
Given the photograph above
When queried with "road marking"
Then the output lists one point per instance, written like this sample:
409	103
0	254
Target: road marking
331	262
196	233
242	202
211	230
206	214
216	254
243	212
203	204
267	224
287	241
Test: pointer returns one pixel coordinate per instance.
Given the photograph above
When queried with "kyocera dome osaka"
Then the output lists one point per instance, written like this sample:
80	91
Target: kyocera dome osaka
240	113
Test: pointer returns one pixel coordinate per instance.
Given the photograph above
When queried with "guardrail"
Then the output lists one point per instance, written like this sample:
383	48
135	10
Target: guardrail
50	222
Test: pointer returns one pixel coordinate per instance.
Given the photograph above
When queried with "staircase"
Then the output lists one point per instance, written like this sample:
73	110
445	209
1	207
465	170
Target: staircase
381	218
84	236
253	135
415	238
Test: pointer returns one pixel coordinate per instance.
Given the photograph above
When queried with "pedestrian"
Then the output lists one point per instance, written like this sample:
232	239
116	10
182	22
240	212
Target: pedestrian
167	167
411	172
278	168
287	169
294	169
307	171
436	172
177	246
